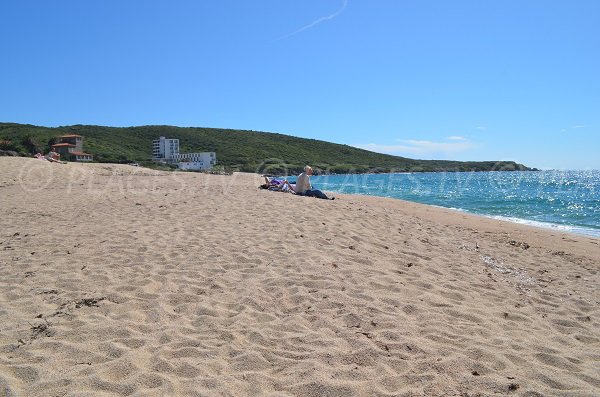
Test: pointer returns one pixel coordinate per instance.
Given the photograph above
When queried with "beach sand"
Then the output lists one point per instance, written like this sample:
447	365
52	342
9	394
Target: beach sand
123	281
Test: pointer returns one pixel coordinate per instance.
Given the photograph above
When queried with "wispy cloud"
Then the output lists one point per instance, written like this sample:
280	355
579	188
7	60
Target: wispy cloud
414	147
481	128
317	21
573	127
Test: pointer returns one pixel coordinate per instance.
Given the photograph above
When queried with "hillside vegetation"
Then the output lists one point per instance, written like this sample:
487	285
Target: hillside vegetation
237	150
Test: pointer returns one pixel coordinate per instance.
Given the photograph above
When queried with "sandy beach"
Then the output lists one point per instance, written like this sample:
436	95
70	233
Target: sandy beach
123	281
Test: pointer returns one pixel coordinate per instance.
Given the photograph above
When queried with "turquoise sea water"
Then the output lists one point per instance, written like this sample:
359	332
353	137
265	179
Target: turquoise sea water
564	200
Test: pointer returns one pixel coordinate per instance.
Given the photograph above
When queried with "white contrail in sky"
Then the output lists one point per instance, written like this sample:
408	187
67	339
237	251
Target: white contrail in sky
318	21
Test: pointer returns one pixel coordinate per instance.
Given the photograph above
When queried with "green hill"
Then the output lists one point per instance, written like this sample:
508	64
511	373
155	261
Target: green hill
249	151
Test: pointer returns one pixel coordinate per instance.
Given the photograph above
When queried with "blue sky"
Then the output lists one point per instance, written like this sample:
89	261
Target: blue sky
466	80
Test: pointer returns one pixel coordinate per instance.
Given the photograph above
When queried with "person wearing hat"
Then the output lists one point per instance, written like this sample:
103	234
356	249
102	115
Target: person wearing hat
304	188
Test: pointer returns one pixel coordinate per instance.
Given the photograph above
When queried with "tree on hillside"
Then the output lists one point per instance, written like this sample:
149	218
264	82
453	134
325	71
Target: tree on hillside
32	145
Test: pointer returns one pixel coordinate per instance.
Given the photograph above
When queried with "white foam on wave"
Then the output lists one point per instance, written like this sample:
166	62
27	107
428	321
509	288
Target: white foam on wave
548	225
545	225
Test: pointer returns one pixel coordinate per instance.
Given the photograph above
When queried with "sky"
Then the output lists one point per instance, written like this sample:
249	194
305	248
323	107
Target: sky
465	80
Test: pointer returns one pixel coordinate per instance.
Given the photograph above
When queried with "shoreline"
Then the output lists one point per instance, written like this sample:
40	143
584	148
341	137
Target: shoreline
549	226
575	229
452	216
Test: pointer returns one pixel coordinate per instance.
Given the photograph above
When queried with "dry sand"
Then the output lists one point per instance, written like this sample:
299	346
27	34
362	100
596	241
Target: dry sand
116	280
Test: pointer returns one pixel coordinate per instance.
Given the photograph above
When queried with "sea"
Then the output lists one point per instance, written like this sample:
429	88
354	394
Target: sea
567	201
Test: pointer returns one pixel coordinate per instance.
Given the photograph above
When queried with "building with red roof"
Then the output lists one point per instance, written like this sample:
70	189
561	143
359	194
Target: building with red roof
70	147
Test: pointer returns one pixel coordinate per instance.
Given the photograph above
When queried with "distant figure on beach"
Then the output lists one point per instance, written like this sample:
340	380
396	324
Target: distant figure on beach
271	182
277	185
53	157
304	188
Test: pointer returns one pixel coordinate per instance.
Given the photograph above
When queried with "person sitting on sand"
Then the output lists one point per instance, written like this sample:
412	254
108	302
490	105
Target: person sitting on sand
53	157
304	188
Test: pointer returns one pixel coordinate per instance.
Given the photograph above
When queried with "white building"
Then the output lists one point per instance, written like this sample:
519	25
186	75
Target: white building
167	150
164	149
195	161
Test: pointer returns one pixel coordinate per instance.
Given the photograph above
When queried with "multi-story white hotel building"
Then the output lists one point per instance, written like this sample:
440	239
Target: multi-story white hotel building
164	149
167	150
